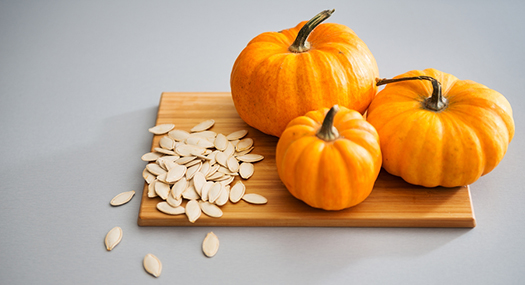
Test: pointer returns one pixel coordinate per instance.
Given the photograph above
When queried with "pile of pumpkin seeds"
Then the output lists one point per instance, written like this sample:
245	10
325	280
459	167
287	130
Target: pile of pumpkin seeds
199	166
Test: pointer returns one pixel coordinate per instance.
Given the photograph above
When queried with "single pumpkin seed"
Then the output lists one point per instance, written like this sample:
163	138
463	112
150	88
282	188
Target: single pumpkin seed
199	141
155	169
192	170
224	196
222	159
161	129
122	198
152	265
246	170
148	176
185	159
244	144
193	211
164	151
190	193
176	173
151	156
240	153
205	168
210	245
198	182
233	164
167	143
173	201
236	135
208	135
113	237
237	191
178	135
178	188
215	191
221	142
203	126
151	189
162	189
210	209
170	164
250	157
166	208
230	149
254	198
205	190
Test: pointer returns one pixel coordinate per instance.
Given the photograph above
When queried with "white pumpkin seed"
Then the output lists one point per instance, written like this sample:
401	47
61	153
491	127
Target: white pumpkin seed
223	197
152	265
161	129
230	149
198	181
250	157
151	189
226	181
205	168
210	209
246	170
162	178
148	176
212	157
176	173
113	237
192	170
168	209
178	188
155	169
221	142
187	150
151	156
185	159
193	162
208	135
222	159
178	135
205	190
193	211
199	141
215	191
253	198
162	189
213	170
215	176
210	245
237	191
237	135
240	153
164	151
173	201
233	164
244	144
122	198
203	126
169	164
167	143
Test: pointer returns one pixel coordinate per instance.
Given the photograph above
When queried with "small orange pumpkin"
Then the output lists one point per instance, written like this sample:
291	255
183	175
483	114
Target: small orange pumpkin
329	159
437	130
282	75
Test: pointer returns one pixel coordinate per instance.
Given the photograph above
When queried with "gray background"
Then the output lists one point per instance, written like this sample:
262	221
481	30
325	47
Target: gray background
80	83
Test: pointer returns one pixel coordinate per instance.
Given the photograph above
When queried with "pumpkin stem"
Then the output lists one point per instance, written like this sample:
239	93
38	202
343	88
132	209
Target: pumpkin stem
300	44
327	132
436	102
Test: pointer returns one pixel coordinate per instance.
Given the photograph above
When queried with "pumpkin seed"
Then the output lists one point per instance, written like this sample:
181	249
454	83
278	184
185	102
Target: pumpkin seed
173	201
208	135
246	170
203	126
233	164
244	144
178	135
250	157
176	173
161	129
167	143
215	191
170	210
226	181
236	135
205	190
222	159
185	159
240	153
155	169
210	245
122	198
199	141
151	189
151	156
230	149
169	164
193	211
198	181
205	168
192	170
190	193
187	150
237	191
162	189
253	198
178	188
221	142
193	162
213	170
148	176
210	209
152	265
215	176
223	197
164	151
113	237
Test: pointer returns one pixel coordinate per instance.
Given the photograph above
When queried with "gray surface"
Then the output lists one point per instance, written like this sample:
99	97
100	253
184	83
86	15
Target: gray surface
80	82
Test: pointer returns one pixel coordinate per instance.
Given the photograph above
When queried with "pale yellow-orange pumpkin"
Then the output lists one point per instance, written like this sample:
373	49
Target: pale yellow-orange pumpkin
283	75
437	130
329	159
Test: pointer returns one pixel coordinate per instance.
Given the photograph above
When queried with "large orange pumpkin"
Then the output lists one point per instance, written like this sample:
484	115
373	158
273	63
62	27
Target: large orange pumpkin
437	130
329	159
283	75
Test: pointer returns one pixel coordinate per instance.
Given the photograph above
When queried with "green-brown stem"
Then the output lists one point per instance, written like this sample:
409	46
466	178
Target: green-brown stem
300	44
327	132
436	102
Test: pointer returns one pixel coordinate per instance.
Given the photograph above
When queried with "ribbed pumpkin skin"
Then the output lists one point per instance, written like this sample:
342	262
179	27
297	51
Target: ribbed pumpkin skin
452	147
330	175
271	85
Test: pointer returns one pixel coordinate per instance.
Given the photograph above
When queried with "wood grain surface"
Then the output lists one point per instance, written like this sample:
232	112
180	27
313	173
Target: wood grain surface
392	203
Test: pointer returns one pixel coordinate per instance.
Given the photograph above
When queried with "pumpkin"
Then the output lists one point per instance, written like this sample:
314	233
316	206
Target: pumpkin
329	159
282	75
437	130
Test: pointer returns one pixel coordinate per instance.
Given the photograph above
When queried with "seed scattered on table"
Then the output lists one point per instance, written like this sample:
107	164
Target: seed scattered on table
152	265
113	237
122	198
210	245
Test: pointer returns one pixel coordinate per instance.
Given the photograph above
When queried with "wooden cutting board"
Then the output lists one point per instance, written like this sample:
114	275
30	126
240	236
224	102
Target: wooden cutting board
392	203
